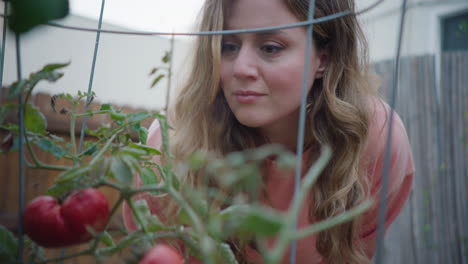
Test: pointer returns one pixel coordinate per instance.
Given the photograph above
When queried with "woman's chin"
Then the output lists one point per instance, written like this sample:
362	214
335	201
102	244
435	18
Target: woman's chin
251	122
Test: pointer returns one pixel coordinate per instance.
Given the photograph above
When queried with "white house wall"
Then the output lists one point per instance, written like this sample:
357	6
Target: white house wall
122	67
422	32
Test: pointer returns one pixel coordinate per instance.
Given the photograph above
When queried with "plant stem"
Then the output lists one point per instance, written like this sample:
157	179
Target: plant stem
336	220
149	188
110	184
199	228
38	164
87	251
103	150
72	134
285	236
136	214
92	113
113	210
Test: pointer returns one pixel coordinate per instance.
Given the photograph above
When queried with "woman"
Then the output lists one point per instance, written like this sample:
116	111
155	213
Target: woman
244	91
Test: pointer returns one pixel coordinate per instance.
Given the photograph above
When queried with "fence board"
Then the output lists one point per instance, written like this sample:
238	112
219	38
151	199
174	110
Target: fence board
432	226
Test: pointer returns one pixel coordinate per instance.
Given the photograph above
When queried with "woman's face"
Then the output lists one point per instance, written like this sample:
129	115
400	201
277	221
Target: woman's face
262	73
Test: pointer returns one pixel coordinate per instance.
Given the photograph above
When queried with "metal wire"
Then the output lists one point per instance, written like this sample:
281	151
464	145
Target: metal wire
309	23
2	55
21	153
222	32
302	117
383	192
91	78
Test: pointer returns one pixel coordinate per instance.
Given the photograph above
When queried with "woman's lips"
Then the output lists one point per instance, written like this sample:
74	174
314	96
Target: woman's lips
246	97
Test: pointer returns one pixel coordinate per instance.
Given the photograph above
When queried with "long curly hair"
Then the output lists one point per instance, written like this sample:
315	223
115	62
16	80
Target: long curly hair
337	115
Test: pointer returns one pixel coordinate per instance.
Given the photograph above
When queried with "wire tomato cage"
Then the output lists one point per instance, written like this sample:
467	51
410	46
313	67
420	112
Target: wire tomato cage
309	23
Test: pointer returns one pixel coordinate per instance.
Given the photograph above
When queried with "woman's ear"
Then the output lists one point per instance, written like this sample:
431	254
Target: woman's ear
323	59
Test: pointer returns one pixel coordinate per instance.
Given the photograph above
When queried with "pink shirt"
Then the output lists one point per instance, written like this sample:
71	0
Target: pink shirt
280	184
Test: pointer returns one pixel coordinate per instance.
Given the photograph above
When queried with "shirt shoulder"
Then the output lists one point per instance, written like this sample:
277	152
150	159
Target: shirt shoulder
401	160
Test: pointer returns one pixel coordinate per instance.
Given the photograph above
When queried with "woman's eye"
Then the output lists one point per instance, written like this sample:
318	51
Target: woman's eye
228	48
271	49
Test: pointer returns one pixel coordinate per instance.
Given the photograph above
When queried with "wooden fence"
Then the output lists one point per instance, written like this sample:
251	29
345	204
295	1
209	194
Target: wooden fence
433	104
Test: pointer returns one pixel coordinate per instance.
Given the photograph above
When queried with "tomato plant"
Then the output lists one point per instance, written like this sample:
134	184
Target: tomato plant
113	158
50	224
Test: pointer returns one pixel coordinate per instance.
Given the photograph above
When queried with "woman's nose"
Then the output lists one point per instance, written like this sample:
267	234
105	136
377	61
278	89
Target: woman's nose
246	64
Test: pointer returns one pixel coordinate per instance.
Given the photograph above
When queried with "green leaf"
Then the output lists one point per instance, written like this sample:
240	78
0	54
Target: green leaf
106	238
156	80
27	14
164	134
262	223
109	251
151	222
248	220
90	148
34	120
228	257
5	110
8	246
138	117
118	116
147	149
183	217
56	138
153	71
143	134
167	57
17	88
54	66
47	145
105	107
120	171
197	160
149	177
72	174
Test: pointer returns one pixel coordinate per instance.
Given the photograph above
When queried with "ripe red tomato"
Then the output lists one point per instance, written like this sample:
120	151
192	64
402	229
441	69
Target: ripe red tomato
162	254
50	224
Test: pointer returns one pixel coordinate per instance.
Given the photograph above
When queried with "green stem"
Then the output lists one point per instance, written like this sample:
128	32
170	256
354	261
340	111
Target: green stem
190	212
117	130
38	163
136	214
41	165
198	225
57	259
92	113
72	133
110	184
285	237
149	188
103	150
113	210
336	220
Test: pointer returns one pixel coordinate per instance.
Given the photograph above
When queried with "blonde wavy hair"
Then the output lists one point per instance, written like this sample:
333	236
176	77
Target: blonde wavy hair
337	115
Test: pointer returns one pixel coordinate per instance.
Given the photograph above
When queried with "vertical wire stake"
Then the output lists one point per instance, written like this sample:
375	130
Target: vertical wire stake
383	193
91	78
2	55
21	154
169	74
301	129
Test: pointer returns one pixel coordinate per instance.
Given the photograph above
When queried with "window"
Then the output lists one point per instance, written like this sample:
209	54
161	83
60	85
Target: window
455	32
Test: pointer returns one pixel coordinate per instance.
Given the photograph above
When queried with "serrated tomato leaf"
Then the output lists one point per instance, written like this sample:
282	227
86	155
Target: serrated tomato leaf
34	120
8	246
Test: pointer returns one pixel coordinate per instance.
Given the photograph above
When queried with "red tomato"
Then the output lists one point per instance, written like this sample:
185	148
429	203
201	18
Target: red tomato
162	254
50	224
